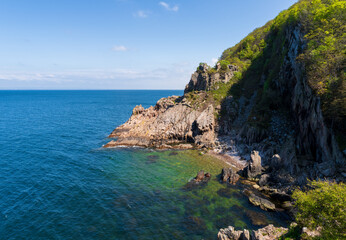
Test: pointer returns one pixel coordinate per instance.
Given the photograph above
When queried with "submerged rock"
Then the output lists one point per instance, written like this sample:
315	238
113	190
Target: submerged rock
224	192
256	218
267	233
200	180
262	203
152	159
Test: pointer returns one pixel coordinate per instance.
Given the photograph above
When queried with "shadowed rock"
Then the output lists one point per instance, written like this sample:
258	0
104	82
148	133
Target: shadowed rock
254	168
229	175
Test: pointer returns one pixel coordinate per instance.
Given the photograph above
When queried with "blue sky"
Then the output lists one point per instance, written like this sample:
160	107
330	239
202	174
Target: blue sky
120	44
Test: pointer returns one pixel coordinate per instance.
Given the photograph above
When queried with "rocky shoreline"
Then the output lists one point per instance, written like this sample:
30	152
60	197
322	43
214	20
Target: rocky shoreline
296	145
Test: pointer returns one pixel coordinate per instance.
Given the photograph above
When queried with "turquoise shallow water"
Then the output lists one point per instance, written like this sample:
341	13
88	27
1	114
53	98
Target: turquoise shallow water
56	182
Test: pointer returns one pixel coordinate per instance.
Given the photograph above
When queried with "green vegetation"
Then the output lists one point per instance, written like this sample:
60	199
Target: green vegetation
322	205
261	54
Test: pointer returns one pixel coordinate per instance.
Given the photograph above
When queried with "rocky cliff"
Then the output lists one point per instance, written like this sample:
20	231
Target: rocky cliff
177	122
172	123
205	77
259	96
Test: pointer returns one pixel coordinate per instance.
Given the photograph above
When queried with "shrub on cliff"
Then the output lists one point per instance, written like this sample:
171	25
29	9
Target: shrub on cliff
323	204
224	64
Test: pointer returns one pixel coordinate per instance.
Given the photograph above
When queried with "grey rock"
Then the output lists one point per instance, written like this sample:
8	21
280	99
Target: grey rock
202	80
229	175
170	124
262	203
264	179
254	168
267	233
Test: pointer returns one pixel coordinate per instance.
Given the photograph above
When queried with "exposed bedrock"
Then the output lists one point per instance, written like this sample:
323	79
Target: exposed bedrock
171	123
203	80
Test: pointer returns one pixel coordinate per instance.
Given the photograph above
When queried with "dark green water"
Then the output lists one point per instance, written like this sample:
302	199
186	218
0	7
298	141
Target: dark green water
56	182
177	212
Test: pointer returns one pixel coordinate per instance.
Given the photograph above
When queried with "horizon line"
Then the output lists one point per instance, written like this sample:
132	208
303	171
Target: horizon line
91	89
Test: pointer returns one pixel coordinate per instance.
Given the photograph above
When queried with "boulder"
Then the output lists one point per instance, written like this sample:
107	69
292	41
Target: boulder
267	233
254	168
202	177
262	203
229	175
275	161
200	180
264	180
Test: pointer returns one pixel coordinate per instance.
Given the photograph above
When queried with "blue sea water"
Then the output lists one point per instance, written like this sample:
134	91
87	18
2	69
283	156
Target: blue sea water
57	182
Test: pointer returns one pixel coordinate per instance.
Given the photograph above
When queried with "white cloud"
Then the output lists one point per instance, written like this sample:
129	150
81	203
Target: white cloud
214	61
174	76
120	48
174	8
141	14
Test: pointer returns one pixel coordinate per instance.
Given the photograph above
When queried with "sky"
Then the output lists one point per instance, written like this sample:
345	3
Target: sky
120	44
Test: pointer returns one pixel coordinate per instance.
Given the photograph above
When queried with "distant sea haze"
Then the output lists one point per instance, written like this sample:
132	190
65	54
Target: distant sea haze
57	182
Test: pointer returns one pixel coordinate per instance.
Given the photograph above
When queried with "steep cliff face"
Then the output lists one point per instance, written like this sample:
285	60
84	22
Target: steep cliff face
314	140
295	128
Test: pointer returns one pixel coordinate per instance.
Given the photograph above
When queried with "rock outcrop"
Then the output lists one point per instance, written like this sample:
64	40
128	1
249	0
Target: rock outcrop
171	123
202	177
203	80
254	168
201	180
267	233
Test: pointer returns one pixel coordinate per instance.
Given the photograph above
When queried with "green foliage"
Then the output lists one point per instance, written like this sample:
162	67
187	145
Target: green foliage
324	205
212	70
201	64
224	64
220	91
263	51
294	232
324	57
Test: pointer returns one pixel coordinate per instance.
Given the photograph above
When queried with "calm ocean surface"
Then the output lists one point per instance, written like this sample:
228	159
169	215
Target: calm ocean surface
56	182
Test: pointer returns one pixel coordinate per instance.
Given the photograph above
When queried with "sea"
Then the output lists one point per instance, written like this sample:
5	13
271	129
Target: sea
57	182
